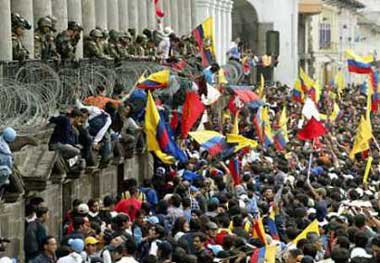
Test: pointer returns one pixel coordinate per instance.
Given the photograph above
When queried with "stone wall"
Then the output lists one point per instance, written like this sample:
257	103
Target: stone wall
59	196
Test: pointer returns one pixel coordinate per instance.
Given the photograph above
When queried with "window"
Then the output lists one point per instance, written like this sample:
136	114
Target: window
324	36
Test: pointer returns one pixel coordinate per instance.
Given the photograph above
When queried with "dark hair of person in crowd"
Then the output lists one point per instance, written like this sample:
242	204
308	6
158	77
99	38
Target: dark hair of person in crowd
78	222
150	259
340	255
40	211
108	201
361	239
178	226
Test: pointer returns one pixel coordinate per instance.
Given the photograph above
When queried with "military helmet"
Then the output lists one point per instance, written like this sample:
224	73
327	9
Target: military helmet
141	38
96	33
132	31
19	21
148	33
114	34
105	33
44	21
73	25
125	35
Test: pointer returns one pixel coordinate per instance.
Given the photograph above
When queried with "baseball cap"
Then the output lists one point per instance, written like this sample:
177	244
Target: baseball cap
76	244
83	209
91	241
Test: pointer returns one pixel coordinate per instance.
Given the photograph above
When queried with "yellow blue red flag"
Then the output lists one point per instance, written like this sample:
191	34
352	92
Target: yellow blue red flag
158	80
204	36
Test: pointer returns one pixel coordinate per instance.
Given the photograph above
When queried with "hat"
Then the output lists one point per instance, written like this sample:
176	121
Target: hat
193	189
76	244
91	241
9	134
153	220
83	209
215	249
211	226
214	200
167	31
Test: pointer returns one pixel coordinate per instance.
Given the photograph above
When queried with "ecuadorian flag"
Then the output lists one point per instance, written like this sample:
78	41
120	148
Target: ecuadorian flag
157	136
158	80
212	141
265	254
297	92
358	64
204	36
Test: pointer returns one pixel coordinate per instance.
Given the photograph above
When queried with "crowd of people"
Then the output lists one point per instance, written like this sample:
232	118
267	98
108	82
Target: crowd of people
194	211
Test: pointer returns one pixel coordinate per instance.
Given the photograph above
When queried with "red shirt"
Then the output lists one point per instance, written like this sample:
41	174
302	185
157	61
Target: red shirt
129	206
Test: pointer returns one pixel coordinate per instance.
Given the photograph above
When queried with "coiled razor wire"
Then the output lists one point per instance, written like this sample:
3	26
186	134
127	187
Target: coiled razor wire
36	90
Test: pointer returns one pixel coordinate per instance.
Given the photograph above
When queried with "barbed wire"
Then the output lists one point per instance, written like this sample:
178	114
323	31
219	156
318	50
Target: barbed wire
36	90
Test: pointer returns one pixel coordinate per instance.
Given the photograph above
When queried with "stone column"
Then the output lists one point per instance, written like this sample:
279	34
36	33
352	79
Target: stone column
123	15
167	18
88	16
5	31
225	38
41	8
182	16
112	14
174	15
187	19
194	13
25	9
60	12
229	5
101	13
151	24
217	30
132	14
143	16
202	10
74	11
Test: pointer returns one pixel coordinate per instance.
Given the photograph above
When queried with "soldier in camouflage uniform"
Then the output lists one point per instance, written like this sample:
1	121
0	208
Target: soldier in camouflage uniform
19	24
104	41
137	48
150	45
54	21
67	40
114	44
125	41
93	45
44	41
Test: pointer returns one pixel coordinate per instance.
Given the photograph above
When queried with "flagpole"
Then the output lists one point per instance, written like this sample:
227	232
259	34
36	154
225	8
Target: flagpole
376	143
310	161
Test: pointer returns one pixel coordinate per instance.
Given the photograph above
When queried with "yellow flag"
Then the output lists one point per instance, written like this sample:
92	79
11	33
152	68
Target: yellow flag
270	254
283	124
222	77
334	114
235	129
309	82
339	83
313	227
262	86
152	119
363	135
367	169
241	141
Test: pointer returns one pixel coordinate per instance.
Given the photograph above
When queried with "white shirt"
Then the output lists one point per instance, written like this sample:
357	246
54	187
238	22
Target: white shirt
127	260
164	48
94	112
71	258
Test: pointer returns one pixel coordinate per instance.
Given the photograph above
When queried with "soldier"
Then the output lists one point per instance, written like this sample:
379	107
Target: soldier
54	21
67	40
150	46
137	49
93	45
125	41
44	45
114	44
19	24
